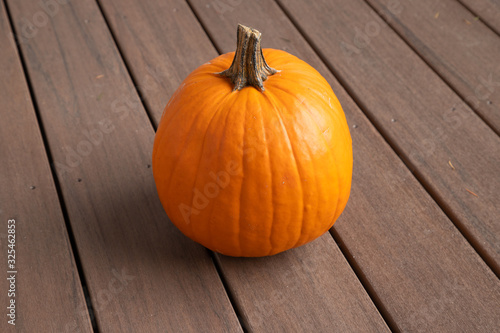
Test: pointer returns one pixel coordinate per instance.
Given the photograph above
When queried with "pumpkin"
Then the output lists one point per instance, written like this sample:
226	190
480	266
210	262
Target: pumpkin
253	155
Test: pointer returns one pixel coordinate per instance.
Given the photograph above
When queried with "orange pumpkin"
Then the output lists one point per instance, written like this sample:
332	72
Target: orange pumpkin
252	161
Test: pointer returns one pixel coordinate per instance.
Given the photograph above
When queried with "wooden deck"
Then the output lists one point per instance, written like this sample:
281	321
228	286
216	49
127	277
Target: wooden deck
83	85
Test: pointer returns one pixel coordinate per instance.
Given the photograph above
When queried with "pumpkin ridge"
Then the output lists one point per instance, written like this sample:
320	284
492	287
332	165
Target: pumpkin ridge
271	247
337	116
168	123
242	173
334	157
308	113
302	226
176	159
220	104
289	142
212	207
271	178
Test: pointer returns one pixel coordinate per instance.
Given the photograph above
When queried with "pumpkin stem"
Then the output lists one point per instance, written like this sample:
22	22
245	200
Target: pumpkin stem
249	68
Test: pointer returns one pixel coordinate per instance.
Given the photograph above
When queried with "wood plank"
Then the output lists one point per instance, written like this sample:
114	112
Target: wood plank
309	288
143	275
422	273
43	255
487	10
452	152
463	50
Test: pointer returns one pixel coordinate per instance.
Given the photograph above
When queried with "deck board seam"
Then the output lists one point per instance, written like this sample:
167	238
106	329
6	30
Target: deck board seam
485	22
127	66
386	316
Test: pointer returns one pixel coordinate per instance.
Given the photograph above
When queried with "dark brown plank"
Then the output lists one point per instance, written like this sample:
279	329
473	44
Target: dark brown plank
422	273
453	153
48	294
487	10
308	289
463	50
143	275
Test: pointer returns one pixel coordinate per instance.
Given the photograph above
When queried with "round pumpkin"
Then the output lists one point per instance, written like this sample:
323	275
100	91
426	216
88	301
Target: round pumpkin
253	154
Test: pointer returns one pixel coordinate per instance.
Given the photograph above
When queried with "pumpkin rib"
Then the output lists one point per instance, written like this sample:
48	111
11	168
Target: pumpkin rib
336	117
242	174
308	113
271	179
278	113
289	143
271	246
214	201
334	157
170	175
217	230
316	181
220	105
174	170
254	106
163	135
212	206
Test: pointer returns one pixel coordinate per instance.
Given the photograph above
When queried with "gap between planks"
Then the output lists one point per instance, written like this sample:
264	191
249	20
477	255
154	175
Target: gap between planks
144	102
477	14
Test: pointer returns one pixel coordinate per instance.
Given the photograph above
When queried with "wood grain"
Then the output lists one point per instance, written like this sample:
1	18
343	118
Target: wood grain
461	49
487	10
445	144
423	275
48	293
143	275
310	288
